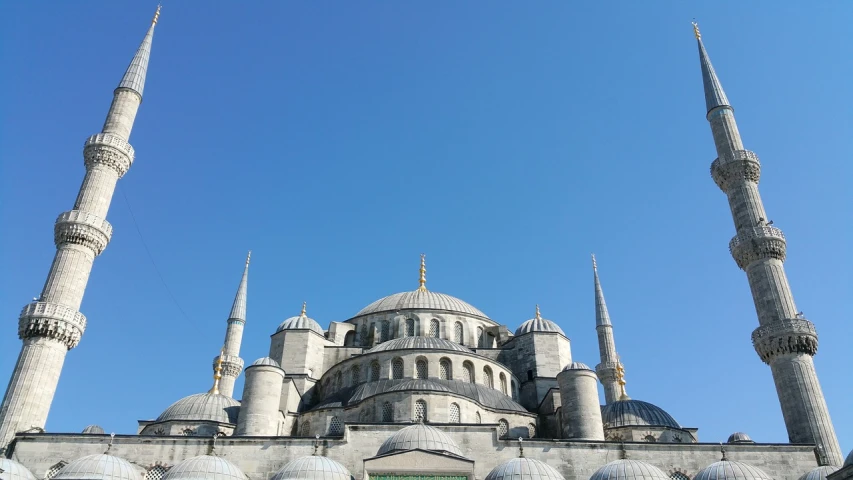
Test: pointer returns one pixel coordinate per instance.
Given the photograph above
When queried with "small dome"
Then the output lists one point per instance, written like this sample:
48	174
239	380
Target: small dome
538	325
421	384
819	473
577	366
94	430
302	322
419	343
625	413
211	407
98	467
205	466
524	469
266	361
420	436
629	470
313	467
739	437
726	470
420	300
13	470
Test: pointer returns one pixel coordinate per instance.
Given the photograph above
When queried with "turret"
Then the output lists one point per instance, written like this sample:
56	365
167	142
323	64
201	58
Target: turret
232	364
581	410
52	325
607	369
259	412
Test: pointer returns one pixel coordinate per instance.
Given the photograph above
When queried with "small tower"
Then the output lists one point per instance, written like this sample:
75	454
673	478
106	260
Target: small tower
581	410
232	364
259	412
607	369
52	325
785	340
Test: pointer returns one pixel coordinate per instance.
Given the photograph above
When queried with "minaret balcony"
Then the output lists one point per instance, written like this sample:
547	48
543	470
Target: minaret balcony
735	167
784	336
232	365
757	243
108	150
77	227
52	320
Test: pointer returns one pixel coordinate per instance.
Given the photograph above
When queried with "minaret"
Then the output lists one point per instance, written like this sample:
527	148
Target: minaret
607	370
52	325
785	340
231	363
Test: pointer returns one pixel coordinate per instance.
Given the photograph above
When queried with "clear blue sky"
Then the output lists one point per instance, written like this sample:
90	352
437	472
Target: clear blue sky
338	141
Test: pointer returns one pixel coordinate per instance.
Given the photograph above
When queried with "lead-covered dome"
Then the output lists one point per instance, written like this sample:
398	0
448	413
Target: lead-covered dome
419	343
739	437
300	322
819	473
313	467
205	467
211	407
624	413
93	430
727	470
13	470
98	467
628	470
420	437
266	361
577	366
524	469
538	324
420	300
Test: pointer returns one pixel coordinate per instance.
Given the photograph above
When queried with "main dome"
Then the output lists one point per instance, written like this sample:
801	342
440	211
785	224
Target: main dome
625	413
203	406
421	437
432	343
421	300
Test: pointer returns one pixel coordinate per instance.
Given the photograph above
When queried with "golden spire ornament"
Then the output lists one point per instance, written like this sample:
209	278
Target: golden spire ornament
538	315
217	373
594	265
620	378
422	280
696	31
156	15
304	306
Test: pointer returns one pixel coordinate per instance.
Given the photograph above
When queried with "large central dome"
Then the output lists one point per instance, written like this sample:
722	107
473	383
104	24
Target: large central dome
420	299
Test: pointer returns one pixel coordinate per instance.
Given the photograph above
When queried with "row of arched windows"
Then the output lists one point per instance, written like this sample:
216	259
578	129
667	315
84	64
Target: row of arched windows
409	329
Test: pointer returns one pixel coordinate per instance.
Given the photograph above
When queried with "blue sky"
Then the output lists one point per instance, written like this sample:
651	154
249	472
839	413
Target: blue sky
339	141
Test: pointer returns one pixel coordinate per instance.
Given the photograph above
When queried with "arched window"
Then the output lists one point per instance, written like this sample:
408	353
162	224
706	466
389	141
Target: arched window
410	327
52	471
434	328
420	411
356	375
375	370
513	390
650	439
339	380
478	418
445	369
397	369
336	426
305	429
531	431
349	338
679	476
479	336
490	340
503	383
503	428
487	377
156	472
364	335
457	333
421	368
455	416
385	334
387	412
468	372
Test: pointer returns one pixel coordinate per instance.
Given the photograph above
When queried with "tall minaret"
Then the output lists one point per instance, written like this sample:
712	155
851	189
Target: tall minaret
607	370
785	340
52	325
229	362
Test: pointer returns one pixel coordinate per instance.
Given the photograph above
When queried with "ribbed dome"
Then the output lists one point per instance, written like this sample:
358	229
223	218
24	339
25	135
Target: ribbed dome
203	406
302	322
819	473
205	467
421	300
628	470
266	361
739	437
419	436
577	366
524	469
13	470
98	467
624	413
419	343
94	430
314	467
538	325
419	384
726	470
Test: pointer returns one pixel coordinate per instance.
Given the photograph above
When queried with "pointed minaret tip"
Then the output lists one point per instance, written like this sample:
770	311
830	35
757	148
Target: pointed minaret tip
696	30
134	77
594	265
715	97
602	317
238	309
156	14
422	280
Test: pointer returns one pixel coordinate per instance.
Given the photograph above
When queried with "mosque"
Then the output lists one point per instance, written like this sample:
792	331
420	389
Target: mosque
418	385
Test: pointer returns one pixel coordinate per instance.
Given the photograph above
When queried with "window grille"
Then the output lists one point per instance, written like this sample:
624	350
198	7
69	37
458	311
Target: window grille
421	369
445	370
454	413
410	327
356	375
52	471
155	473
387	412
468	372
487	378
503	383
306	429
531	431
375	370
336	426
420	411
397	368
433	328
479	336
386	331
478	418
503	428
364	335
339	380
679	476
457	333
650	438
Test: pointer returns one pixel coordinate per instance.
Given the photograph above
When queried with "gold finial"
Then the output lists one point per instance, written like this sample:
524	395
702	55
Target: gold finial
538	315
594	265
156	15
422	281
217	373
620	378
304	306
248	257
696	30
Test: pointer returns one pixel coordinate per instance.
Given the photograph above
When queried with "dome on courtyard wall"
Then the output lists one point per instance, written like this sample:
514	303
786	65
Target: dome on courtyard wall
577	366
624	413
727	470
312	467
205	466
418	343
211	407
629	470
524	469
13	470
265	361
419	437
93	430
420	300
739	437
300	322
819	473
98	467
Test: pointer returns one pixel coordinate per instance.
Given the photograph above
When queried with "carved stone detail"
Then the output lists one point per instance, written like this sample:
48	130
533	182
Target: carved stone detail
606	371
788	335
734	167
109	150
52	320
231	365
81	228
755	243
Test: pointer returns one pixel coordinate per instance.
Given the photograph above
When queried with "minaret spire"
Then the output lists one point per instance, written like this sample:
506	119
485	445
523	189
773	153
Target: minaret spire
608	369
785	340
52	325
229	361
601	315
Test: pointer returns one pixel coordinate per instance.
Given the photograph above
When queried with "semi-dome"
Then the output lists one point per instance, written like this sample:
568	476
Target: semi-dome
419	343
538	324
524	469
94	430
624	413
300	322
727	470
628	470
420	300
205	466
98	467
577	366
819	473
267	361
312	467
13	470
211	407
739	437
421	437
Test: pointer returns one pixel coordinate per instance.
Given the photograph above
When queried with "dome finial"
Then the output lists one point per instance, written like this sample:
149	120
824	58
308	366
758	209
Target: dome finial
304	306
422	281
723	452
696	30
217	373
620	378
520	448
538	315
316	443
